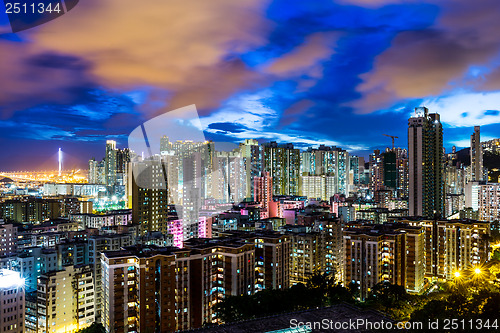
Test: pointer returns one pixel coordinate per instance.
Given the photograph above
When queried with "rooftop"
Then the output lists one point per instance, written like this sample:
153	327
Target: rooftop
142	251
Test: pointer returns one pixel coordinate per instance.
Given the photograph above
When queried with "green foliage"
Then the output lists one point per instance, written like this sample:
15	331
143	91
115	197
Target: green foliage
496	254
392	299
94	328
471	296
468	297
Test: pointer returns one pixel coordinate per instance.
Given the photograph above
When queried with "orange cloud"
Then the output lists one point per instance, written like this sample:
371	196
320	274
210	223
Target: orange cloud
29	75
178	45
434	61
316	48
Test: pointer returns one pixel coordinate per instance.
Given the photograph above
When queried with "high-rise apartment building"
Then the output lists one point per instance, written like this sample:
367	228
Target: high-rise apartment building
251	152
229	177
488	196
65	300
454	185
123	157
476	155
402	166
96	172
97	245
308	256
389	174
390	169
110	163
165	145
149	196
31	209
140	291
384	253
328	161
471	191
8	239
452	245
31	262
272	257
168	289
272	261
12	300
263	193
217	268
425	152
283	164
454	179
112	170
354	169
333	246
318	187
376	166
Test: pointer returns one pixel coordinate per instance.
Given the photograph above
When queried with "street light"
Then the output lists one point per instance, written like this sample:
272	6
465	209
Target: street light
477	271
457	274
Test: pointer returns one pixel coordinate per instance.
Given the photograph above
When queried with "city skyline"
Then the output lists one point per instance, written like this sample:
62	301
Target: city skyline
286	74
249	165
205	224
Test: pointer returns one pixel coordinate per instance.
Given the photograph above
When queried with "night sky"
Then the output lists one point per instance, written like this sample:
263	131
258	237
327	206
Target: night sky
308	72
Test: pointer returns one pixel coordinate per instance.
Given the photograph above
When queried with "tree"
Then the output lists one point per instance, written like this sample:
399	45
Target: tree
433	309
496	254
94	328
393	299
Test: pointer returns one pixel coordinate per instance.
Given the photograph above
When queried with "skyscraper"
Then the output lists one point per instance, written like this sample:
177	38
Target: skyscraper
165	145
328	161
110	163
263	189
283	164
476	155
251	152
376	171
402	173
425	150
149	196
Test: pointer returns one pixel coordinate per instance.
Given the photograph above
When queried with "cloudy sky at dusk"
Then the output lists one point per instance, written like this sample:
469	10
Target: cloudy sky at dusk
308	72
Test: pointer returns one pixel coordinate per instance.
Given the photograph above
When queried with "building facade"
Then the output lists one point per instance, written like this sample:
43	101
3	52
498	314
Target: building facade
12	300
426	162
391	253
476	155
283	164
263	193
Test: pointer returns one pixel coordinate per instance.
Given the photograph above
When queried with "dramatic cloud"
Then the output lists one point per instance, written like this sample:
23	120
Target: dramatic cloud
374	3
334	72
316	48
30	77
436	60
182	46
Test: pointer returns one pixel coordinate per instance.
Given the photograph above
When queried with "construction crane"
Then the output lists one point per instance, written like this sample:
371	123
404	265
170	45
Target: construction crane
392	137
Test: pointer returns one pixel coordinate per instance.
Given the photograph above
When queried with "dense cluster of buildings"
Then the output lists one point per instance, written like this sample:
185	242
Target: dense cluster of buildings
199	225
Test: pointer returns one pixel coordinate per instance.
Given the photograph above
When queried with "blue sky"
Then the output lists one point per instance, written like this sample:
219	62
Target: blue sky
308	72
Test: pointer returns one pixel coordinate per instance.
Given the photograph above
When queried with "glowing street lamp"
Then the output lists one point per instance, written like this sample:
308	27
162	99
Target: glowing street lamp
477	271
457	274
